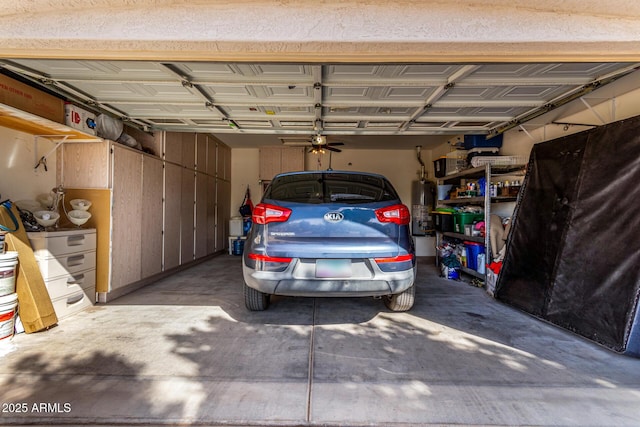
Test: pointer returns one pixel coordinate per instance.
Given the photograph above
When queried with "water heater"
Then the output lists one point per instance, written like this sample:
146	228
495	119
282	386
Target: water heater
422	204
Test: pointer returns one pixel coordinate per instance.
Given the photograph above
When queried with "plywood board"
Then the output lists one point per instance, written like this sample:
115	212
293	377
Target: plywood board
36	310
100	220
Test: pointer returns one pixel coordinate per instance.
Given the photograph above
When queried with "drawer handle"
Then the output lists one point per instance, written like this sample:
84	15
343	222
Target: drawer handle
75	260
74	299
76	280
75	240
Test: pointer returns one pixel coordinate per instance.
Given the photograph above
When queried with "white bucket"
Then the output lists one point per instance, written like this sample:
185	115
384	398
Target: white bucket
8	264
8	304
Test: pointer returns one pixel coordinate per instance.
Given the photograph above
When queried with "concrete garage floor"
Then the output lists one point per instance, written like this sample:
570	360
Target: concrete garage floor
185	351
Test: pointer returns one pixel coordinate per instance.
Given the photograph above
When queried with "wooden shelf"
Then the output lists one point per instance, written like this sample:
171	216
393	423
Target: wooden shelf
35	125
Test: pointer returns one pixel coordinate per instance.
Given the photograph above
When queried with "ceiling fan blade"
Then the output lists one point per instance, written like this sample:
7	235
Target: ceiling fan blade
335	143
336	150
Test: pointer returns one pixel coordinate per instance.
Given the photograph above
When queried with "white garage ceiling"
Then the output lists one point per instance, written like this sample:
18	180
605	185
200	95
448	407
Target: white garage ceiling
245	104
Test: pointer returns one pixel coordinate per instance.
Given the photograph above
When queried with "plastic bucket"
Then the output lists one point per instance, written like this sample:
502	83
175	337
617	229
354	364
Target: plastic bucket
473	249
8	304
8	264
238	247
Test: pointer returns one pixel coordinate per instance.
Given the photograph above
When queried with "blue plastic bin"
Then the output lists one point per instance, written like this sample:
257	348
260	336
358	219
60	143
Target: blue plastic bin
473	249
474	141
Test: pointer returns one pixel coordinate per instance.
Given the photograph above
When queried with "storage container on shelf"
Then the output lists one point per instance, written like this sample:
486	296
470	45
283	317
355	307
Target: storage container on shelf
443	219
473	250
473	141
461	218
452	162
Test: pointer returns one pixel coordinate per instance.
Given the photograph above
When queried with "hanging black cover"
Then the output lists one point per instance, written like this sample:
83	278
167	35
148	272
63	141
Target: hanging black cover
573	254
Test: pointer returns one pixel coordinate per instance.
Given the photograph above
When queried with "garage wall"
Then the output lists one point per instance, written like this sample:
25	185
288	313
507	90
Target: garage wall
19	181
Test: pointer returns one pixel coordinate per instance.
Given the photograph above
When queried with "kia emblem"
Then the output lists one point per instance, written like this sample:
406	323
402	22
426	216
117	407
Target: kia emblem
333	217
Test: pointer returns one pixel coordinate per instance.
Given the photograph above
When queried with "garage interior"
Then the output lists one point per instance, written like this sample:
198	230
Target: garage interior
222	99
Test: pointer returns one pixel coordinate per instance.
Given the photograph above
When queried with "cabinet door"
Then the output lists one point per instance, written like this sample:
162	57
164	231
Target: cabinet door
211	215
222	213
189	150
292	159
270	162
201	215
201	152
152	173
126	212
172	203
224	162
84	165
173	147
212	155
187	216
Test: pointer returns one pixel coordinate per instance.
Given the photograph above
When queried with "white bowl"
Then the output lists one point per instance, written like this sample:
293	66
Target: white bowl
78	217
80	204
46	218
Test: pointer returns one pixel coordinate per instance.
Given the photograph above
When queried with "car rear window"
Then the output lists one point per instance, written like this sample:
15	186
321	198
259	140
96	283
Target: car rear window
317	188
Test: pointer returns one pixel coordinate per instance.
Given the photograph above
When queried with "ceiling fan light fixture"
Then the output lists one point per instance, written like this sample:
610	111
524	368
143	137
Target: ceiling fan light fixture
320	139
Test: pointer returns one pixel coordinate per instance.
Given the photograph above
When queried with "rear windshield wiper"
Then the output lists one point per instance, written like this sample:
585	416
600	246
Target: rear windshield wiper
343	197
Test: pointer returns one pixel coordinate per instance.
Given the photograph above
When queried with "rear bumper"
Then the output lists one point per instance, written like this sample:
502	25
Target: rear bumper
294	281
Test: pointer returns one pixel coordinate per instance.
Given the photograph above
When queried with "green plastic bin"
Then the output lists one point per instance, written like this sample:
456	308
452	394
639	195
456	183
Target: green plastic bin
462	218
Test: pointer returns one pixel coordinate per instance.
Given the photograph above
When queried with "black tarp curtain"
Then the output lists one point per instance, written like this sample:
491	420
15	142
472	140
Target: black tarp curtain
573	254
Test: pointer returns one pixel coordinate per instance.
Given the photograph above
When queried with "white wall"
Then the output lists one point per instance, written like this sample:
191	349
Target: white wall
18	179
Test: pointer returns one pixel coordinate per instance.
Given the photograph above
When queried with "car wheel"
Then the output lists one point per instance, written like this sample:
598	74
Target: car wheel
402	301
255	300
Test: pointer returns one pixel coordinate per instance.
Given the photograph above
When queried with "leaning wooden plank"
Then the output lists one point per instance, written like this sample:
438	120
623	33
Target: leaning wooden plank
34	304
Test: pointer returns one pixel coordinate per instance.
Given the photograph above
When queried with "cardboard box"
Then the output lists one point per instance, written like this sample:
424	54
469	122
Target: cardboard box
27	98
79	118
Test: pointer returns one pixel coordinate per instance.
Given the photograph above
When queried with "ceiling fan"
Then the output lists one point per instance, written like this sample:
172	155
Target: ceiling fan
319	144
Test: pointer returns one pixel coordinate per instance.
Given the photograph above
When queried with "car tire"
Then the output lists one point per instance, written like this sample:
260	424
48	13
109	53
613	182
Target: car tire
255	300
402	301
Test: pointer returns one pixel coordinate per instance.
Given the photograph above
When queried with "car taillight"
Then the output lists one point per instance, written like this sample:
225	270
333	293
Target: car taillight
400	258
267	258
264	213
396	263
397	214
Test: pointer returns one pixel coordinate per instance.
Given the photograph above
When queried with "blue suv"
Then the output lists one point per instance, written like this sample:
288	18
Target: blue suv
333	234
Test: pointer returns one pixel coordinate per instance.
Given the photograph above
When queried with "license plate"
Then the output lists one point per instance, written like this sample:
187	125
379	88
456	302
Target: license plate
333	268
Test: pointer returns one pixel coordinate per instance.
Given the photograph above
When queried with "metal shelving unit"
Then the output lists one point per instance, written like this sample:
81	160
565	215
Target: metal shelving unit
472	174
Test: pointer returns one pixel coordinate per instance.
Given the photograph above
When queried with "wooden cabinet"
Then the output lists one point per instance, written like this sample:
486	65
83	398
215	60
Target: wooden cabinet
152	220
275	160
187	206
172	203
126	212
151	214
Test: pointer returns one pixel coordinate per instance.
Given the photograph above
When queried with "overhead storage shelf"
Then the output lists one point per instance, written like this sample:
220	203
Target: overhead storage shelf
35	125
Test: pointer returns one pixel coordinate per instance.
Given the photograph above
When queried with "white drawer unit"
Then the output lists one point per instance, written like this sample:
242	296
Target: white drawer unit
56	243
67	261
